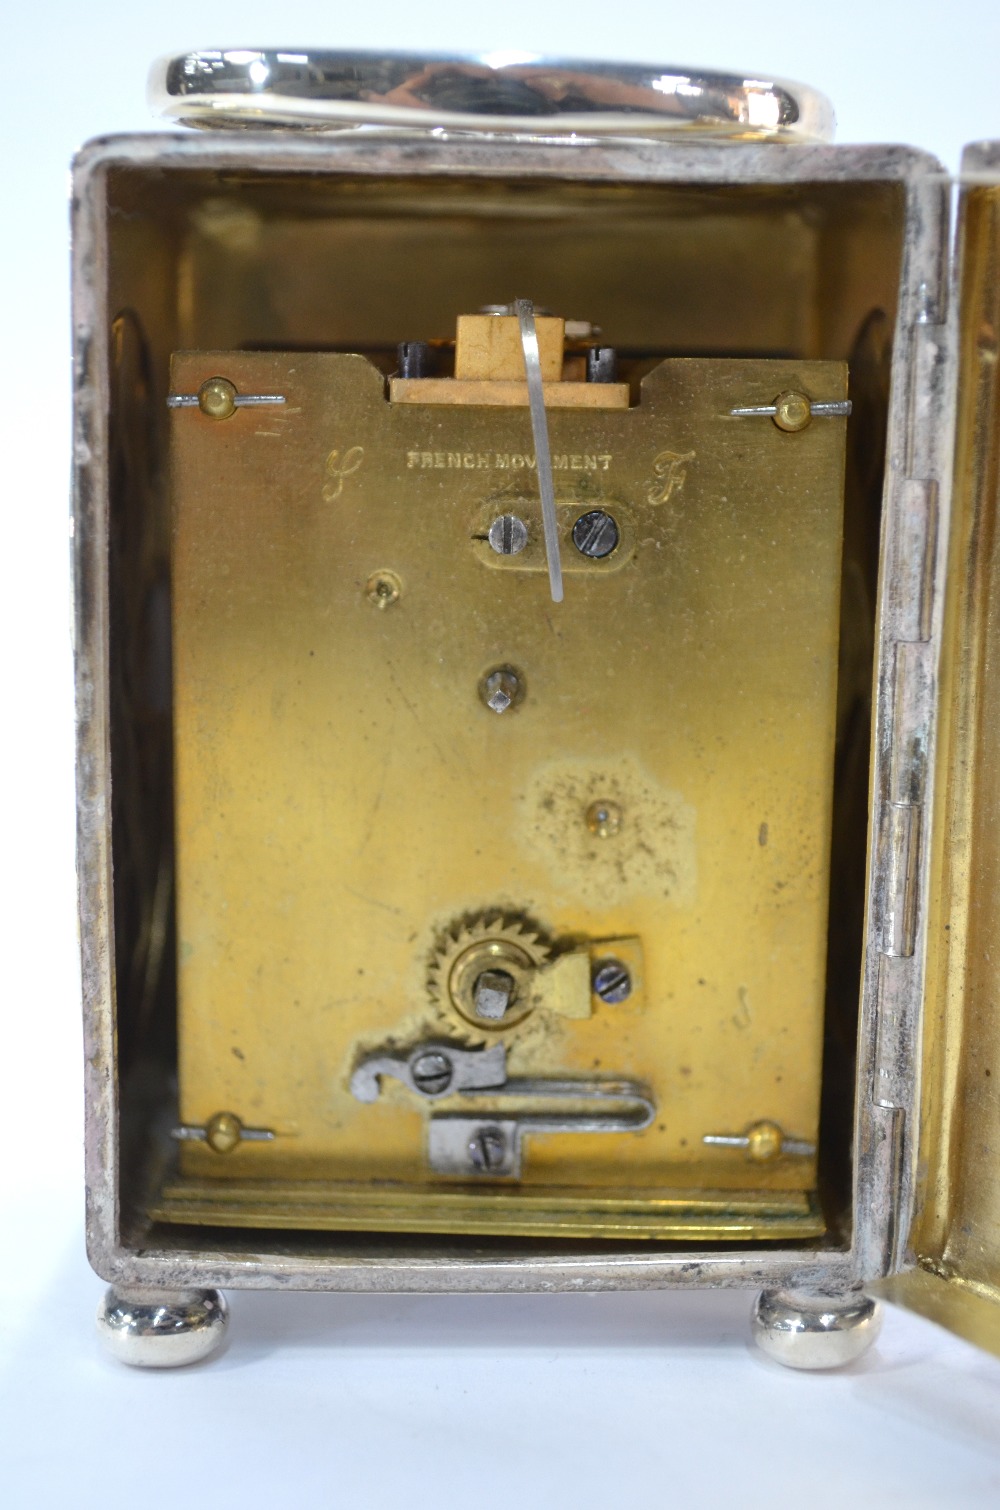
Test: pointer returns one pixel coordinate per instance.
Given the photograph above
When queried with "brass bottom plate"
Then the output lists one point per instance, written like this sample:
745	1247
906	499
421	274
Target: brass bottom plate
708	1215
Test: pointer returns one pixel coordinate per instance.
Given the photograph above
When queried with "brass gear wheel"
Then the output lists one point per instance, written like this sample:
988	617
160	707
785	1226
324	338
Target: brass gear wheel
481	942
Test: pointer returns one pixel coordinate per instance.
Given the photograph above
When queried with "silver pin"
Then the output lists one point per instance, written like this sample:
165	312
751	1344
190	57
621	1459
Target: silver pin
764	1140
190	1133
525	311
840	409
240	400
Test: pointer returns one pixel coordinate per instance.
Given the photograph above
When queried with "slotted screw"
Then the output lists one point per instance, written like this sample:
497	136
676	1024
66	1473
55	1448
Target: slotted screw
508	535
415	359
487	1149
602	364
595	534
612	982
432	1072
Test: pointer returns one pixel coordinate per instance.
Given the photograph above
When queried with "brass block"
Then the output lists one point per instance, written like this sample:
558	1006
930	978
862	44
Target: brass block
488	348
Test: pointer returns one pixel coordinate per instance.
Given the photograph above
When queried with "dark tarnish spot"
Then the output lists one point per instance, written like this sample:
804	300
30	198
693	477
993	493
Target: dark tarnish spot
239	1053
762	835
651	853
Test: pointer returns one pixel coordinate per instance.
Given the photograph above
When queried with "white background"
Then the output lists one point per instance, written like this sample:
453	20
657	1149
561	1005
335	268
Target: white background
582	1400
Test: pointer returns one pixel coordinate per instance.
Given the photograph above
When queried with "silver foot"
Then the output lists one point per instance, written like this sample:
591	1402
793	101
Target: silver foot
161	1328
814	1331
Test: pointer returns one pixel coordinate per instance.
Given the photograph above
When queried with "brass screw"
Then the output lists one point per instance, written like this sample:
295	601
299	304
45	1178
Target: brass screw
764	1141
223	1132
792	411
217	398
383	588
604	819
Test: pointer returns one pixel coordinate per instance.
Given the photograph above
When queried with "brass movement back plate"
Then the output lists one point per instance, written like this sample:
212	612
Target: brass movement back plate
344	794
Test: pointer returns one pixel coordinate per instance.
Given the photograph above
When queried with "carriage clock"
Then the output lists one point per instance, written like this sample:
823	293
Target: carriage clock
538	619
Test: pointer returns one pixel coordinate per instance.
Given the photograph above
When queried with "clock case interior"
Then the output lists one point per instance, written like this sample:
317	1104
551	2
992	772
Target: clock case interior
249	260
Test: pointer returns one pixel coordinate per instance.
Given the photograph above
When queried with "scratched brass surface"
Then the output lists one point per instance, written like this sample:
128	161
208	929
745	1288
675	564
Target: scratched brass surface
957	1229
342	793
572	395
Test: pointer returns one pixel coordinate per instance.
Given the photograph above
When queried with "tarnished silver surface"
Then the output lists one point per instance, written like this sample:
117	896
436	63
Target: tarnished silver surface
918	445
814	1332
494	91
915	531
980	163
157	1329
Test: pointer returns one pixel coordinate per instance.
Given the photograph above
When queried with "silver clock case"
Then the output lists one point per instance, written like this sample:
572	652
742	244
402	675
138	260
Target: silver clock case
123	1131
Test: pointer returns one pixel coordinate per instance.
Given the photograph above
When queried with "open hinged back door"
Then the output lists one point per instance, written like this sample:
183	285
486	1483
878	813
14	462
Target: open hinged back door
953	1246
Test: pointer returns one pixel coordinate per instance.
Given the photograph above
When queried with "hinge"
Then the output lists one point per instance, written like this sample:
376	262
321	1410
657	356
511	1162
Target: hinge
909	615
900	841
912	576
902	814
913	701
901	849
927	380
894	1043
